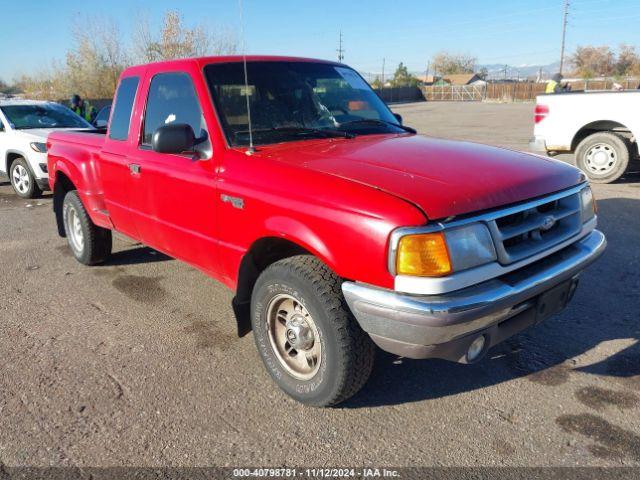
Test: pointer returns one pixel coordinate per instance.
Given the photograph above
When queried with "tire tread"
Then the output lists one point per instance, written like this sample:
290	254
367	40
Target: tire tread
623	161
356	347
98	241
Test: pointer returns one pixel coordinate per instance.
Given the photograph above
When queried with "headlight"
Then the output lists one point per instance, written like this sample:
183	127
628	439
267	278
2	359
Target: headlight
39	147
441	253
588	204
470	246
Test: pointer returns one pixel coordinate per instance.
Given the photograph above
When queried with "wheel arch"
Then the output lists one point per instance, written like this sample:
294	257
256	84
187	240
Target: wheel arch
595	127
262	253
62	186
11	156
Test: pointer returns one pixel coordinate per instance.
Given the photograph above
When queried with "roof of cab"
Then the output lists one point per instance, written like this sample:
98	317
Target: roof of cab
202	61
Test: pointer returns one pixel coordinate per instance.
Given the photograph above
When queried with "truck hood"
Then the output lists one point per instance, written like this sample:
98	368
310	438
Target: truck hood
442	177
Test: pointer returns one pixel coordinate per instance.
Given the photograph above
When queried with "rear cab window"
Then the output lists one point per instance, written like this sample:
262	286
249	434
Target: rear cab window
121	117
172	99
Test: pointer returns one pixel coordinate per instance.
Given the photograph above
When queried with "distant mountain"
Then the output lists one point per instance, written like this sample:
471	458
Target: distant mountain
496	70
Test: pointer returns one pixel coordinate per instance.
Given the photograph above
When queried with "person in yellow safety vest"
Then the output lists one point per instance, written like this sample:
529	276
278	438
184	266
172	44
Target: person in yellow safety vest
553	85
83	108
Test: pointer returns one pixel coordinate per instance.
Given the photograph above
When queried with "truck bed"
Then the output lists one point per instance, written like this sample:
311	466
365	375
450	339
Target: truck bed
89	138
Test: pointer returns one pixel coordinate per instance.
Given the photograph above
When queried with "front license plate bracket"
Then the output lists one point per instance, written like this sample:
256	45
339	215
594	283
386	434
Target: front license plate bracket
555	300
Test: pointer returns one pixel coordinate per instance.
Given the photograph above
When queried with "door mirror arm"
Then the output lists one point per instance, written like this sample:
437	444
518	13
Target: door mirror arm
202	147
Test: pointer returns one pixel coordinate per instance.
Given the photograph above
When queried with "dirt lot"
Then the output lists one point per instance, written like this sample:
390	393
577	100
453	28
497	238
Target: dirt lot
136	362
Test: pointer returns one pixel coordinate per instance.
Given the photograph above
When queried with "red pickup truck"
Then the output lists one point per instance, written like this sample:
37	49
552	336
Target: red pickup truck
337	227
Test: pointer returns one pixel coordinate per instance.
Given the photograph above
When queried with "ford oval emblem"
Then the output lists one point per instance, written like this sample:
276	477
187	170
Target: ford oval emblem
548	223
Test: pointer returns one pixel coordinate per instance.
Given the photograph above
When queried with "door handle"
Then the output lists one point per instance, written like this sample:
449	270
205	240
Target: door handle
134	168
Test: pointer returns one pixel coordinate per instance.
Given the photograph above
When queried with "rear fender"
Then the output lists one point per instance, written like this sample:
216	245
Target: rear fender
84	178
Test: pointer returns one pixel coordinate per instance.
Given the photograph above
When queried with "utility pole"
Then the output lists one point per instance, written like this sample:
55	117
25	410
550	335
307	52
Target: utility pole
565	20
340	49
383	73
505	71
427	72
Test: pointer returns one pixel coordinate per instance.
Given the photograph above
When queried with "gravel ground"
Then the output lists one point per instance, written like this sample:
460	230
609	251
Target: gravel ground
136	362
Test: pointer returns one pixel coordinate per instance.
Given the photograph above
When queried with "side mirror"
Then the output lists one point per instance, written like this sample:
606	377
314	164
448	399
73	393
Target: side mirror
177	138
100	124
398	118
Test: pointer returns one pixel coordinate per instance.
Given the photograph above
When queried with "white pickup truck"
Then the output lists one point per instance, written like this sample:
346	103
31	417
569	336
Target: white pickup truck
601	128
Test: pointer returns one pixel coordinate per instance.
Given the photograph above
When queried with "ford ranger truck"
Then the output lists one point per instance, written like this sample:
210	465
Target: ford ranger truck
336	227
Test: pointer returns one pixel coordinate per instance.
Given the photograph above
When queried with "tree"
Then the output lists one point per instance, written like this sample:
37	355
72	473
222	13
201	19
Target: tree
377	83
95	64
590	61
47	84
628	62
445	63
175	40
7	89
402	77
91	67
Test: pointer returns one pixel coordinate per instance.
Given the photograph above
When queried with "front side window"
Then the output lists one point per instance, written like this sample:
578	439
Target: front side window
42	115
295	100
172	99
121	118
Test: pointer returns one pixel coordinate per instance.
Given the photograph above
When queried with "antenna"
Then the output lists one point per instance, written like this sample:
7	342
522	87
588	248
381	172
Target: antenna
246	80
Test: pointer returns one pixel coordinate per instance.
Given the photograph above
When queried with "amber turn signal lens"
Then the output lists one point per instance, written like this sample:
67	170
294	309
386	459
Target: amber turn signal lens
423	255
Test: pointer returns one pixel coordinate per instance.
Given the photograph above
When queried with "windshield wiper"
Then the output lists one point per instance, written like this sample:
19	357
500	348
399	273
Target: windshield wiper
326	132
379	122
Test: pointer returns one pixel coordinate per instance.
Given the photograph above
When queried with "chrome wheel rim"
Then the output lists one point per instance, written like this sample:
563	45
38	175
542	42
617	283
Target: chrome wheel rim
20	179
74	229
294	336
601	159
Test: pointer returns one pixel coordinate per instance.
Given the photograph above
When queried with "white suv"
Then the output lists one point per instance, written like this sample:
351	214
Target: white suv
24	127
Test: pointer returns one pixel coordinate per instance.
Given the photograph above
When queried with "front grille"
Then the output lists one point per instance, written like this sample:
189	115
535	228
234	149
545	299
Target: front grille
523	233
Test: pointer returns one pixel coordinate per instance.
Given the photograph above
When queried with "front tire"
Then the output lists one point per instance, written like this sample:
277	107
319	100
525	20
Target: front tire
22	180
309	341
603	156
89	243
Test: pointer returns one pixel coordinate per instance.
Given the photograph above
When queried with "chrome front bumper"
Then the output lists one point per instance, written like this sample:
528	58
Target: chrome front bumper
442	326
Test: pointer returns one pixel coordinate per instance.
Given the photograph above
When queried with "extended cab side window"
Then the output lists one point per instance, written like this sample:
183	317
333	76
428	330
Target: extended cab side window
121	118
172	99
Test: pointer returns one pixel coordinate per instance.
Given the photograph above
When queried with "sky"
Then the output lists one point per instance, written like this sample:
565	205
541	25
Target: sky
35	33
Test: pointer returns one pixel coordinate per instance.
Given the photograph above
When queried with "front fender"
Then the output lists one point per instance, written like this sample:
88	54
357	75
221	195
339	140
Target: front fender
302	235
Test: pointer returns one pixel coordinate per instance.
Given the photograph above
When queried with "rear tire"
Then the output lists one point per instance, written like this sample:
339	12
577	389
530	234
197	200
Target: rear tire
89	243
309	341
22	180
603	157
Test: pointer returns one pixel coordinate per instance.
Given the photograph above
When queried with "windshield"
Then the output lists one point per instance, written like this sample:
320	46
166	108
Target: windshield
295	100
45	115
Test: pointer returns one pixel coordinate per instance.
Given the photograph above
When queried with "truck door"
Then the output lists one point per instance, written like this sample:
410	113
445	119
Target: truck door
114	165
175	195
